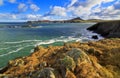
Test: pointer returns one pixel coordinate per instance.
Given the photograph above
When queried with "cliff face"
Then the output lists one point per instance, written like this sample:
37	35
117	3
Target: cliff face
74	60
107	29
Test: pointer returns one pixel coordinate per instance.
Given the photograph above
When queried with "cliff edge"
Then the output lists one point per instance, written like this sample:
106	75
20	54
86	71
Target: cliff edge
108	29
74	60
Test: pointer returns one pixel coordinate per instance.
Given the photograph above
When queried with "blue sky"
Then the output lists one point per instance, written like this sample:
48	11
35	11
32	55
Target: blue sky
24	10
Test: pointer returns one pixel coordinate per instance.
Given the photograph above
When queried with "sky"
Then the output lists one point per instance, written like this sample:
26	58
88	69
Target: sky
24	10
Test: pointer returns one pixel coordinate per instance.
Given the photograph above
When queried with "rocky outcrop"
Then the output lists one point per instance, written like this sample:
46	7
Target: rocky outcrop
74	60
94	37
107	29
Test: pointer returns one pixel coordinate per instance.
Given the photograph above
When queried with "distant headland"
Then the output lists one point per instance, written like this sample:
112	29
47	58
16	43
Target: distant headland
73	20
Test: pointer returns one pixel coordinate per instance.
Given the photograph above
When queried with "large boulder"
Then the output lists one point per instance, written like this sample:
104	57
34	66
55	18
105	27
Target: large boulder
68	63
78	56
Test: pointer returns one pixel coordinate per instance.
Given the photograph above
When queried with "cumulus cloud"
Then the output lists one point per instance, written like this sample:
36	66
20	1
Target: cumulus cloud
110	12
117	5
58	11
1	2
12	1
86	9
32	16
34	7
22	7
92	8
7	16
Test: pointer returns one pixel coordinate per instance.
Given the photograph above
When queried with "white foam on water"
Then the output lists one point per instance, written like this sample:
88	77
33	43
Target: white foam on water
23	41
60	39
4	48
45	42
14	51
10	47
32	50
37	27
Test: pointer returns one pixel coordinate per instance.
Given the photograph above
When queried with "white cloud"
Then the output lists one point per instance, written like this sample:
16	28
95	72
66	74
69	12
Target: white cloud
34	7
72	2
33	16
105	1
58	11
13	16
110	12
1	2
86	9
90	8
22	7
12	1
8	16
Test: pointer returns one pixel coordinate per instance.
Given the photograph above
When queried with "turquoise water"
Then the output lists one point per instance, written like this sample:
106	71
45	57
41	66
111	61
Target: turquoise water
17	42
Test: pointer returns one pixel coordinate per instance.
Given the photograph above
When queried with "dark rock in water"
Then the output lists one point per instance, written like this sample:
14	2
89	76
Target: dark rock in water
95	37
107	29
4	69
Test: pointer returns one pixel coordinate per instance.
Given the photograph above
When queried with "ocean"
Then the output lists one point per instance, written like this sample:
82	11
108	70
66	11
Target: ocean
18	42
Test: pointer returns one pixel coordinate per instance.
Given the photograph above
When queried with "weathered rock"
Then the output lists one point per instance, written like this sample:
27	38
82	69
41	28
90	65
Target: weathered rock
78	56
3	76
17	62
69	74
44	73
107	29
37	48
95	37
68	63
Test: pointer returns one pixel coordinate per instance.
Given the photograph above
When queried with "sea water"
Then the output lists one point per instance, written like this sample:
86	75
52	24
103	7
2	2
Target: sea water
18	42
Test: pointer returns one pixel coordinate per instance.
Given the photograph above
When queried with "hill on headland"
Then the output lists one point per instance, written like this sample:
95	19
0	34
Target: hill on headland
73	20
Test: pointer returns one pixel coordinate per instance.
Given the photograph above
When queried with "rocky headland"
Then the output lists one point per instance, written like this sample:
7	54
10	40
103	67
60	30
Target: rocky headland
108	29
73	20
98	59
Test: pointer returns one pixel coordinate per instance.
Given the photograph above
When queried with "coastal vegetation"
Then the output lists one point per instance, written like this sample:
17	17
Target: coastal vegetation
98	59
93	59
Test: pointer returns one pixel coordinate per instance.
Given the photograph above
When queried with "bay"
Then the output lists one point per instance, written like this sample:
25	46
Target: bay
19	42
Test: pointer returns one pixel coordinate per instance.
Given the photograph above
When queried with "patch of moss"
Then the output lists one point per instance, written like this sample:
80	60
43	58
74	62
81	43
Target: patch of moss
68	63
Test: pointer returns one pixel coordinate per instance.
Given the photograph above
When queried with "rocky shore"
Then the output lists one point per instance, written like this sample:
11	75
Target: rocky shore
98	59
108	29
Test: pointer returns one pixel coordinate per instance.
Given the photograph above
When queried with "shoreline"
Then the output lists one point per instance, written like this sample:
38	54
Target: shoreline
72	60
108	29
49	60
